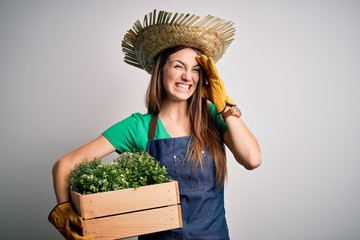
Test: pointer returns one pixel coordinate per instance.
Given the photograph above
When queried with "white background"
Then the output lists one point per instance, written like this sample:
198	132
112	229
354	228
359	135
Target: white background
293	69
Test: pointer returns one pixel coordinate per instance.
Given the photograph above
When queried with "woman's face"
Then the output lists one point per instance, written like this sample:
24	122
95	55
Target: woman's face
181	74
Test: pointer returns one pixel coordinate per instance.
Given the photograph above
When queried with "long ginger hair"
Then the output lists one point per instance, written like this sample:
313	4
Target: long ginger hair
203	128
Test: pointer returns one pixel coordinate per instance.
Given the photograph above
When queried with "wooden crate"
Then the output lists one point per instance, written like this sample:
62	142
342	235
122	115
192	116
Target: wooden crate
129	212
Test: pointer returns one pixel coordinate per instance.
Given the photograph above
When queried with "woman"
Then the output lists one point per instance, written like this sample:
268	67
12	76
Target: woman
189	119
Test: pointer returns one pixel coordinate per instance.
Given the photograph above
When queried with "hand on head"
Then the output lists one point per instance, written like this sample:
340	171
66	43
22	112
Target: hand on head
214	90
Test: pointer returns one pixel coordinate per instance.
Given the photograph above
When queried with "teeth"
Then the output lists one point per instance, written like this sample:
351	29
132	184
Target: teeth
183	86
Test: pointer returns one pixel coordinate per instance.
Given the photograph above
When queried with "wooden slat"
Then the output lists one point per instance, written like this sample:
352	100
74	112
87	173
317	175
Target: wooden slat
128	200
134	224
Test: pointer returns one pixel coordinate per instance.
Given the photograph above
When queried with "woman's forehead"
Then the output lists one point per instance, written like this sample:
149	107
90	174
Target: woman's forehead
186	55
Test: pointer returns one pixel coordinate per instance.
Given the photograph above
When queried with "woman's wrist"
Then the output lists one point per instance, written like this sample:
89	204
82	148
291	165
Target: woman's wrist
231	111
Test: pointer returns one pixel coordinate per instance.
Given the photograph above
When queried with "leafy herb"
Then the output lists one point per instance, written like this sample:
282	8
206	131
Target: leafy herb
129	170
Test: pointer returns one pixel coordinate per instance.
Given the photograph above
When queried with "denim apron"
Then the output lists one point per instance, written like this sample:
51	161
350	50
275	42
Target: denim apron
202	204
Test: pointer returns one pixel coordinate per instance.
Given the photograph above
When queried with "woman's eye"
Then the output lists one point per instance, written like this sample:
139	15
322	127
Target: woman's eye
178	66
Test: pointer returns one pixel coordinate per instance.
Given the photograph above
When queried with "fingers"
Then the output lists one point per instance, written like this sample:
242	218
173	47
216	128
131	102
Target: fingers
206	62
202	60
209	65
76	221
76	236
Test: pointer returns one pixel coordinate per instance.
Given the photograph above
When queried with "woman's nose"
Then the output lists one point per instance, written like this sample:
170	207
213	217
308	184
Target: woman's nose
187	76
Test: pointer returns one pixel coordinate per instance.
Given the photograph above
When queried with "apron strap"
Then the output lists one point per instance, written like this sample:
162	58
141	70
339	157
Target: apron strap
152	128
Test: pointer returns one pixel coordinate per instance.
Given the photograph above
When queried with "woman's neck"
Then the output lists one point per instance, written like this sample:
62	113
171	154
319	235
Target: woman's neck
174	110
175	118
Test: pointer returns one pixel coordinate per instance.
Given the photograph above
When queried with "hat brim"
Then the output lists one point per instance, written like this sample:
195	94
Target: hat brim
211	36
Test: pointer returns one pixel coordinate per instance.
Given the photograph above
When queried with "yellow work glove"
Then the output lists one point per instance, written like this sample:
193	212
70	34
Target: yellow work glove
214	90
67	222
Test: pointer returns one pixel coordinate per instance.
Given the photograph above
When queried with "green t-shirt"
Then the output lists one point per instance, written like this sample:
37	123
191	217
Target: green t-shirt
132	132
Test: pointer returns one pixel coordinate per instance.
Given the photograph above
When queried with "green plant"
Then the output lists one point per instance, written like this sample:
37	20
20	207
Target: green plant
129	170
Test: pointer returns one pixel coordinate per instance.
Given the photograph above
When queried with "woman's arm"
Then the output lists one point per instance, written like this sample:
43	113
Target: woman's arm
98	148
242	143
238	137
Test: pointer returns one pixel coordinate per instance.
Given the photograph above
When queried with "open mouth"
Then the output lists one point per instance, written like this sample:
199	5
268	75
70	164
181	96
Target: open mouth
183	87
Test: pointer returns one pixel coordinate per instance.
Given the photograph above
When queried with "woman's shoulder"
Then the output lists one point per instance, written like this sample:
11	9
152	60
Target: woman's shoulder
141	117
130	132
132	121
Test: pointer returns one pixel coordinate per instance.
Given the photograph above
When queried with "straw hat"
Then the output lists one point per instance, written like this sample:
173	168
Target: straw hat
142	43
